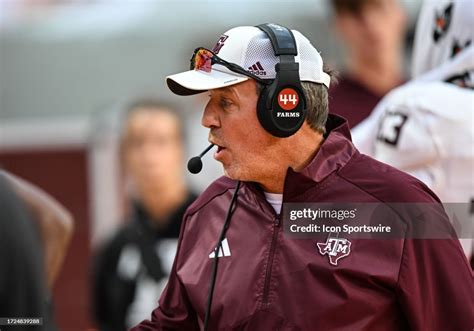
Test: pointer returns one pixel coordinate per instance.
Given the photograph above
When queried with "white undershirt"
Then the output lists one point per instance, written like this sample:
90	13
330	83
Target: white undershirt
274	199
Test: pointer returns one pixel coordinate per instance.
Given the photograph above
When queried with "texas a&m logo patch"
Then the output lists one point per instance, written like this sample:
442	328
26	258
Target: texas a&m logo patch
335	248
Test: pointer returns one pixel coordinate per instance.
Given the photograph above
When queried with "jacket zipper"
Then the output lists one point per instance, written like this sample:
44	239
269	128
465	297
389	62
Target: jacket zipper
268	272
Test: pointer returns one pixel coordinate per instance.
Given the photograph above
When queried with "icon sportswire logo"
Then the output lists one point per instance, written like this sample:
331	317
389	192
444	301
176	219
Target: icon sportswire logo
257	69
224	250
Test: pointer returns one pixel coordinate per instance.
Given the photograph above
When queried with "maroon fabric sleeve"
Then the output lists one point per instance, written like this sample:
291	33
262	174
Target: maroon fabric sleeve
435	286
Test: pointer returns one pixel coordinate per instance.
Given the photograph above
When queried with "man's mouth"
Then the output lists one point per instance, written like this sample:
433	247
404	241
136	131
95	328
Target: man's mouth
219	151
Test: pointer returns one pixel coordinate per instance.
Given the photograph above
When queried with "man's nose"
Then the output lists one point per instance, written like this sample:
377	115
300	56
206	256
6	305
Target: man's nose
210	117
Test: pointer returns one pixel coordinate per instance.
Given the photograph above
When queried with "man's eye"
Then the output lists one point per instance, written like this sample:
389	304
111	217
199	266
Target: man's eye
225	103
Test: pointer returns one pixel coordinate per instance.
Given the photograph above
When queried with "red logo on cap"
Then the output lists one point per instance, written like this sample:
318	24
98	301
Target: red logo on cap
288	99
220	44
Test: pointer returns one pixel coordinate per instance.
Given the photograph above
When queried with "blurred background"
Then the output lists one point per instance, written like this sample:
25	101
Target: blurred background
69	68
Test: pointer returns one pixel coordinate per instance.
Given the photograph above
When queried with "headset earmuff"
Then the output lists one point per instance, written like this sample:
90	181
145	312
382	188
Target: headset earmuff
281	107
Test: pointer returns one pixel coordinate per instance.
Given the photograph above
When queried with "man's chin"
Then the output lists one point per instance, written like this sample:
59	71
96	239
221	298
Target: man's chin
227	173
234	174
230	173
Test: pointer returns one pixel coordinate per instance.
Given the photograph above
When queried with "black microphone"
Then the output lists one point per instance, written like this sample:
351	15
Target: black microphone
195	163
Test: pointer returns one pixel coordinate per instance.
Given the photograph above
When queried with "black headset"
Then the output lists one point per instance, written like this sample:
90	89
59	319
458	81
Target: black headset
281	107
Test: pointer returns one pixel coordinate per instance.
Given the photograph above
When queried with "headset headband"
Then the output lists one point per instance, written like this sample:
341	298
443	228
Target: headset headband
282	39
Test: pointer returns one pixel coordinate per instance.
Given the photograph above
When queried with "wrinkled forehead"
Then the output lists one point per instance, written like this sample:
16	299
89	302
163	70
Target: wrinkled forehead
229	90
238	90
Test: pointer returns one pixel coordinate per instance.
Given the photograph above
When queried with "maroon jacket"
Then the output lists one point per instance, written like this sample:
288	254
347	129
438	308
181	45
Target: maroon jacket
272	282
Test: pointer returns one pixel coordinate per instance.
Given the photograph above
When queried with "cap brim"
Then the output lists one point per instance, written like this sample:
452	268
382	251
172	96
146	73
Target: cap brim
198	81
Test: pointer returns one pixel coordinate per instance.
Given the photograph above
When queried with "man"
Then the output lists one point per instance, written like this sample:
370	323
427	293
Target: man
35	231
372	33
425	127
133	267
257	277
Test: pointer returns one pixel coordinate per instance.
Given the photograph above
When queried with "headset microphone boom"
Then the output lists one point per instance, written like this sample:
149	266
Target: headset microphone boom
195	163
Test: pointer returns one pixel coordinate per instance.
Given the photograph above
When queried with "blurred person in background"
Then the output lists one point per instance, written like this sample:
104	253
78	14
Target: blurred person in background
372	33
132	268
426	127
35	231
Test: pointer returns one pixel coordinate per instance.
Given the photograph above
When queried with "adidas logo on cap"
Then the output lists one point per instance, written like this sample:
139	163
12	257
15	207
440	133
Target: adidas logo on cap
257	69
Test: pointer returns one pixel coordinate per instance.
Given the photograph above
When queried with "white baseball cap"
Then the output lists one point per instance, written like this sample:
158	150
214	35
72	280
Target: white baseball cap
250	48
